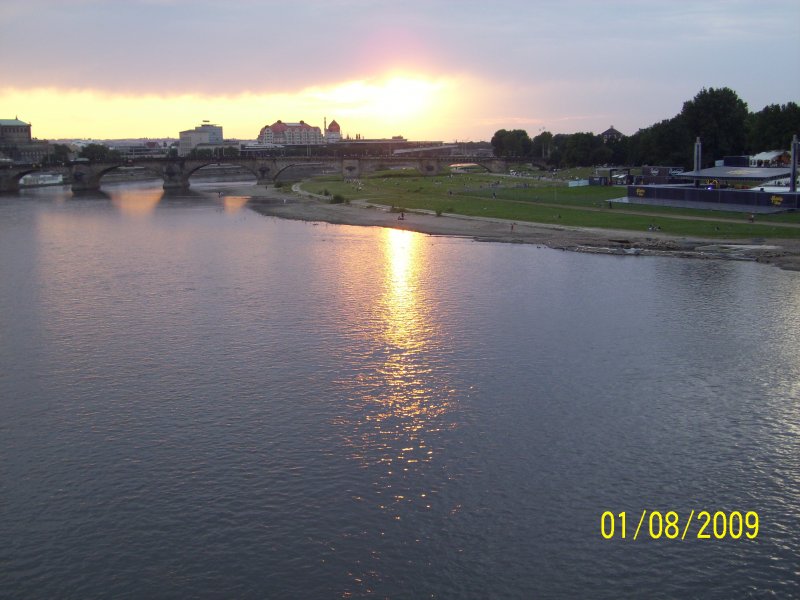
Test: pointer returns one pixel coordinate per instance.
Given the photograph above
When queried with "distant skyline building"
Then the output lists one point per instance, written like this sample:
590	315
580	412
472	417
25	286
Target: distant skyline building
16	143
290	134
333	133
203	136
299	134
14	131
611	135
141	148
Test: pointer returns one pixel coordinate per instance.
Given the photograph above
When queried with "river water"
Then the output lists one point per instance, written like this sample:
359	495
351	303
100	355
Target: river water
197	401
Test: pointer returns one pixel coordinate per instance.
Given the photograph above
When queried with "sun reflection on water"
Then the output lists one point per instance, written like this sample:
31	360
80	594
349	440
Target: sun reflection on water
233	204
414	390
136	202
402	393
403	319
401	396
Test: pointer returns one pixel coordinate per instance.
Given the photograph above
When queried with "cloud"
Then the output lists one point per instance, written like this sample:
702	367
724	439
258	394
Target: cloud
572	62
400	104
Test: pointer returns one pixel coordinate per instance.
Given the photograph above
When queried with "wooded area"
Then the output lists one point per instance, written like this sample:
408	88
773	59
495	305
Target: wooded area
718	117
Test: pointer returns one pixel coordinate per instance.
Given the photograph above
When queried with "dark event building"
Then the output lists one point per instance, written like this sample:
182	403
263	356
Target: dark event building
731	186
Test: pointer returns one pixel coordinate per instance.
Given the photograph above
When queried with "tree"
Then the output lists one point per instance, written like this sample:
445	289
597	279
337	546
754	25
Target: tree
719	118
59	154
99	152
665	143
518	143
578	148
515	143
772	128
542	145
498	142
619	151
202	153
601	155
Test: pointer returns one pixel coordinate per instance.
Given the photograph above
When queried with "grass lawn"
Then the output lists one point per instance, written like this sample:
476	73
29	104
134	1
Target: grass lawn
547	200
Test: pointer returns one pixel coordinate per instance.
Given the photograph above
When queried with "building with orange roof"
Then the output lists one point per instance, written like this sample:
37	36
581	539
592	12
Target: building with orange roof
290	134
333	133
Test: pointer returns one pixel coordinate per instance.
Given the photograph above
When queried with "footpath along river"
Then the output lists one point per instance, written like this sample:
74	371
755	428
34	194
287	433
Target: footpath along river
197	400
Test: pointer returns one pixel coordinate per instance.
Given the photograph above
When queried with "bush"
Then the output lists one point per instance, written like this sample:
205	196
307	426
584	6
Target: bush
337	199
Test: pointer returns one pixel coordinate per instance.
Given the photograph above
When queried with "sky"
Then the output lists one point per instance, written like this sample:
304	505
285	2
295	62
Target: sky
423	69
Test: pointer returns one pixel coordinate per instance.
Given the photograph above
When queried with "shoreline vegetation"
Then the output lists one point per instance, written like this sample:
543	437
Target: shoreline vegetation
537	210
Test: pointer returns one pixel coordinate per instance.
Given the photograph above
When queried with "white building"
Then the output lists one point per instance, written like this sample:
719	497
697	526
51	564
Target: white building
205	135
774	158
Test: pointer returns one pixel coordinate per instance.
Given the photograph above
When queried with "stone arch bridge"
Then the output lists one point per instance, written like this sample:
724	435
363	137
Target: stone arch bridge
176	171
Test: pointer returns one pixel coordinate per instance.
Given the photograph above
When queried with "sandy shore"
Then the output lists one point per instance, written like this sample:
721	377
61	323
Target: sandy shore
306	207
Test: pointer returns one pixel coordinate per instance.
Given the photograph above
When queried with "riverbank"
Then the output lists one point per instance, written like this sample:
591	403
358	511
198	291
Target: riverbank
297	205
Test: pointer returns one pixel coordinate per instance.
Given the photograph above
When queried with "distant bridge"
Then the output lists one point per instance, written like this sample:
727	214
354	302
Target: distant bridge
175	172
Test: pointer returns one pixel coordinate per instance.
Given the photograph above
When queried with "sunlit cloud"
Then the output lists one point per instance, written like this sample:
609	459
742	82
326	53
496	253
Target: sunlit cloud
396	98
398	104
425	69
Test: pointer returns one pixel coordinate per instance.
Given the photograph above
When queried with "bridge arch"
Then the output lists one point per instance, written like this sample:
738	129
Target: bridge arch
18	175
175	172
11	176
148	168
489	165
411	164
218	163
281	169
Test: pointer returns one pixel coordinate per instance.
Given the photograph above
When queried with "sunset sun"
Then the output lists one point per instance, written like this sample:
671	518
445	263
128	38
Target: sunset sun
399	100
407	97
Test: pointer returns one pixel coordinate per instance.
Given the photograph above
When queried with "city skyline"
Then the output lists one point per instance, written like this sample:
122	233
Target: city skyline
434	70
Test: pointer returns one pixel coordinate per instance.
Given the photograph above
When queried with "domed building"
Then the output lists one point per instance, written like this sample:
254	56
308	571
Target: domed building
333	132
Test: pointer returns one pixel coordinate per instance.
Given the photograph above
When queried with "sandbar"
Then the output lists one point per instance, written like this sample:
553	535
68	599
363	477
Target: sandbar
299	205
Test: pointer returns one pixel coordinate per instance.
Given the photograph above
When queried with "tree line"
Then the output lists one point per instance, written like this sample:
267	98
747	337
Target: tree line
102	153
718	117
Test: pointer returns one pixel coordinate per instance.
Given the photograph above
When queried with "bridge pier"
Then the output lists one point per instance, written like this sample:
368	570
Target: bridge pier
498	166
175	176
264	172
84	187
9	181
176	185
429	168
351	168
84	180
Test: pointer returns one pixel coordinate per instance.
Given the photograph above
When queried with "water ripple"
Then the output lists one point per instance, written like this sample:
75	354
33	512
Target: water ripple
199	402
